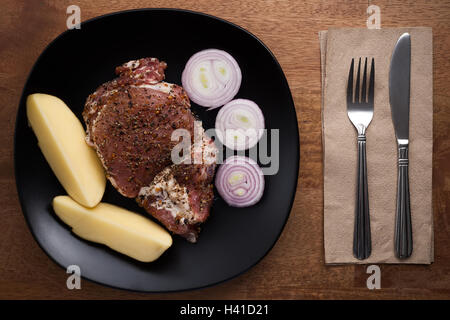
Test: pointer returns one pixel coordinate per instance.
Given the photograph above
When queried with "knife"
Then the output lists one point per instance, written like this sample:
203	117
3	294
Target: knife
399	89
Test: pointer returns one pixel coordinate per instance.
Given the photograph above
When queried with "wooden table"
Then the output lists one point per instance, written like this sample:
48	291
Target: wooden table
295	268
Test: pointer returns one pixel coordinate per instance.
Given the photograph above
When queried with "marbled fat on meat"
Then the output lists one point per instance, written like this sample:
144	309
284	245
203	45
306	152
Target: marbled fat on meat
129	122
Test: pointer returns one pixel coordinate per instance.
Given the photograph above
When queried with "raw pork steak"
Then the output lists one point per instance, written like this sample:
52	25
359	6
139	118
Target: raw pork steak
129	123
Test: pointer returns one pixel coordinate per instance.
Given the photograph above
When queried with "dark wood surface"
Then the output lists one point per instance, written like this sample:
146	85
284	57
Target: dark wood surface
295	268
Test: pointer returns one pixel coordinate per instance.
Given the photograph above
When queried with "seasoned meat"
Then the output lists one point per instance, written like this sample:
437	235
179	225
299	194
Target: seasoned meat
129	122
180	196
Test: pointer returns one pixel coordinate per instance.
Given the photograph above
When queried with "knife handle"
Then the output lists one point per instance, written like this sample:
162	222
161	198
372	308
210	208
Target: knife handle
403	227
362	246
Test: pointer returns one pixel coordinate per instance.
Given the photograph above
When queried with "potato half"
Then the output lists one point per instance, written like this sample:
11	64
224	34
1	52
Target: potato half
122	230
61	138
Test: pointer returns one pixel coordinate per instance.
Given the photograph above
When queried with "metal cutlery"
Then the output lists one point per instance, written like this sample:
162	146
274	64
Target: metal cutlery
399	92
360	112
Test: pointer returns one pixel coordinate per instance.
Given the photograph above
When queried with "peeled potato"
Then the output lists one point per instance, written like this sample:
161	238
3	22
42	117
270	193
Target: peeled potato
61	138
122	230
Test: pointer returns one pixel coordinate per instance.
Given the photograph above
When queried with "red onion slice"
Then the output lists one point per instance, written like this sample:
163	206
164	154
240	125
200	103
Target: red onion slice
240	181
240	124
211	78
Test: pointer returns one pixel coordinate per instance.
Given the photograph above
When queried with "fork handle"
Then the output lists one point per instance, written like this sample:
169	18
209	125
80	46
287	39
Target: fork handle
403	227
362	245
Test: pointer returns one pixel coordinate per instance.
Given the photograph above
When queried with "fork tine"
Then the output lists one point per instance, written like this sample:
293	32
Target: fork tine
350	83
357	82
364	83
372	82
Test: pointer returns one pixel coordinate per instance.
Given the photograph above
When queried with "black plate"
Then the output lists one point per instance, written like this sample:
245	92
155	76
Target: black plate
75	64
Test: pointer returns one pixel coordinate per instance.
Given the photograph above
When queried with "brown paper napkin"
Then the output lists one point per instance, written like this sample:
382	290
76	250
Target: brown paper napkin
338	47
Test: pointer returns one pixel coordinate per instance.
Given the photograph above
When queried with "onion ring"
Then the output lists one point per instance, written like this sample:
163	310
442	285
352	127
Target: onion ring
240	181
211	78
240	124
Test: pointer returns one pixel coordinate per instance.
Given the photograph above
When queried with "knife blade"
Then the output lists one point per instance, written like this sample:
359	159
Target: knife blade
399	96
399	80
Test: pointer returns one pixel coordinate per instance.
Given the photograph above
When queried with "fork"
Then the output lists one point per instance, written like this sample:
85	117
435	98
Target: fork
360	113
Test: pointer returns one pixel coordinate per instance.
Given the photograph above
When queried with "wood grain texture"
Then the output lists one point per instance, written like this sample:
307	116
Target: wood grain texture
294	269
